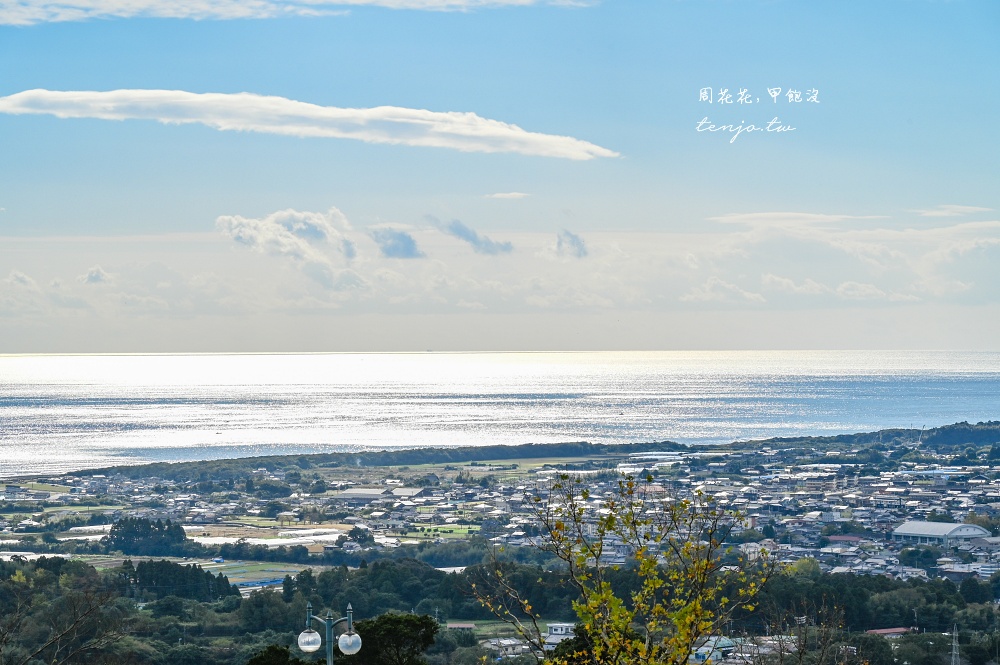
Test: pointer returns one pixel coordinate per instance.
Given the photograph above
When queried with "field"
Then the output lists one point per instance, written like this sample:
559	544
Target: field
239	572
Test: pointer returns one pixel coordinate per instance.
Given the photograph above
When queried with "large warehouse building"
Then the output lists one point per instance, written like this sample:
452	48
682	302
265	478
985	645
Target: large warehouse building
941	534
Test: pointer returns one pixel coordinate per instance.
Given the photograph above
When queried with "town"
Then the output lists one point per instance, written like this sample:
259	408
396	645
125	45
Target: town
900	504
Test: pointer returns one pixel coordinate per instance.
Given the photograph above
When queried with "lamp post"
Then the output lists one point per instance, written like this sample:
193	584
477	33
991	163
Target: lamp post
349	642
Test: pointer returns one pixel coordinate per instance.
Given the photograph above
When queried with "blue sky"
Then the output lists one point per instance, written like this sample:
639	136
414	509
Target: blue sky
211	175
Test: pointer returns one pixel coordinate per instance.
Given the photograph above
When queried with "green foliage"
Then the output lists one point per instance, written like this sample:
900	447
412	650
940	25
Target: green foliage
677	589
169	606
272	508
974	591
394	639
577	650
271	489
164	578
747	536
920	557
265	609
871	649
58	612
361	536
140	536
275	655
807	568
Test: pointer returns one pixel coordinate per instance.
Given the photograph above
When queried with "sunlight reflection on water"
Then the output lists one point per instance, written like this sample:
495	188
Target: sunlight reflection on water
67	412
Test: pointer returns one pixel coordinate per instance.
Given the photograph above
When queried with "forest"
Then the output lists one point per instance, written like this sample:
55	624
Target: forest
57	610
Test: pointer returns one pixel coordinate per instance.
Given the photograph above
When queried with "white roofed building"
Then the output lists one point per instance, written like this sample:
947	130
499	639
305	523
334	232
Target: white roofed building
941	534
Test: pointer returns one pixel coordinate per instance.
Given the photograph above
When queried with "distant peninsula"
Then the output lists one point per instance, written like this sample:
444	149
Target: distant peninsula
945	440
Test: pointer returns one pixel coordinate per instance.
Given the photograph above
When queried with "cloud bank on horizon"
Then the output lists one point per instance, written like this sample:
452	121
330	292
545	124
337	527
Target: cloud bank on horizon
30	12
304	263
248	112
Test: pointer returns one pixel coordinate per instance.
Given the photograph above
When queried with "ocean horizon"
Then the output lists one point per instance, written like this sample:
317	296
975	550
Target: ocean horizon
67	412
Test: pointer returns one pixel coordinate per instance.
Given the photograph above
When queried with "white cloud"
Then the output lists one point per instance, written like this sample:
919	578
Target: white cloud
807	287
95	275
785	218
718	290
499	195
18	278
20	296
950	211
859	291
299	236
289	232
247	112
730	271
28	12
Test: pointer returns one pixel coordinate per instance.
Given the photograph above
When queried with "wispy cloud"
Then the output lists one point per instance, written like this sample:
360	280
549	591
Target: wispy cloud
950	211
506	195
396	244
28	12
806	287
480	244
248	112
785	218
570	244
18	278
861	291
718	290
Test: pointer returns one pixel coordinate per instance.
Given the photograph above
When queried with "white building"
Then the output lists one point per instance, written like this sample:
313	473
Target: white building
941	534
557	633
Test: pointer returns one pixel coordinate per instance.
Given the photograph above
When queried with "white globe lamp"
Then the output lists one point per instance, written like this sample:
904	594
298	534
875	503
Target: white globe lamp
310	640
349	643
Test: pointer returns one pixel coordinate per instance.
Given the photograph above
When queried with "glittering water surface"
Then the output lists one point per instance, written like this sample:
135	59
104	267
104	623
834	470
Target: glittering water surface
68	412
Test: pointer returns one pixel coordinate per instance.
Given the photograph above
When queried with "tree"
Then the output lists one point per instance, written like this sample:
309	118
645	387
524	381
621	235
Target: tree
394	639
679	583
361	536
265	609
275	655
138	535
66	619
974	591
287	589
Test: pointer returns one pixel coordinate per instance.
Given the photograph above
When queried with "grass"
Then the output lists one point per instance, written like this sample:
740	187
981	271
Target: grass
44	487
236	571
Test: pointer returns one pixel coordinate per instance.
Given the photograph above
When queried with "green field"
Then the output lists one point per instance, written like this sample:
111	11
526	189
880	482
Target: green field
236	571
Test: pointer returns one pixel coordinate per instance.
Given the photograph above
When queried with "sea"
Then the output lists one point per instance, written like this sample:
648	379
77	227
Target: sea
67	412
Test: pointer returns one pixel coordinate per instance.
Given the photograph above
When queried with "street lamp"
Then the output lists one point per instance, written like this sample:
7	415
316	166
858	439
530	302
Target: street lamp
349	642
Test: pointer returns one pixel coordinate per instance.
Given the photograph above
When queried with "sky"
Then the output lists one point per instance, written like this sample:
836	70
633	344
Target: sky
498	175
